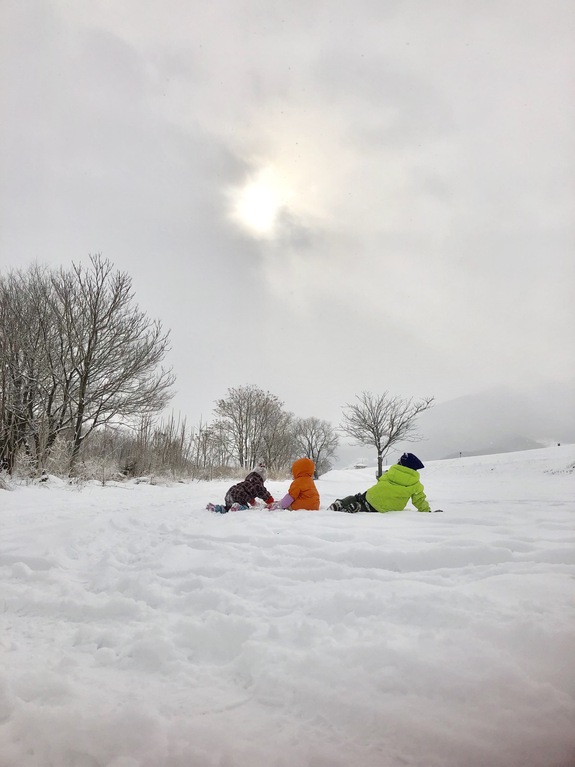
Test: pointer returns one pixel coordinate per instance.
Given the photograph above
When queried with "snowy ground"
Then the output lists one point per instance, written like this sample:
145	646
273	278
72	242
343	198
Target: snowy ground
139	630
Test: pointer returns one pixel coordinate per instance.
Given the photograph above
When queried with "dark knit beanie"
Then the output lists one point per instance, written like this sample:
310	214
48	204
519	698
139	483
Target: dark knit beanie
411	461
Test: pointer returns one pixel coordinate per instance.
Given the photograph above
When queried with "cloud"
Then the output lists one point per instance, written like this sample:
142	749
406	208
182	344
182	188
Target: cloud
426	243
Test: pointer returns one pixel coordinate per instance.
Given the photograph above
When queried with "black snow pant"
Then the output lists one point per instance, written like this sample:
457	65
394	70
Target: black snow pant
353	504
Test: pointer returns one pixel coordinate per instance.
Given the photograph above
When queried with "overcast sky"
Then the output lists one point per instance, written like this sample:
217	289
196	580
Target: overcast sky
319	198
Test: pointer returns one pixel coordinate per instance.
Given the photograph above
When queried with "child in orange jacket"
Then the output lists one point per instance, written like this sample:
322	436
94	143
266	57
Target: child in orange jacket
302	493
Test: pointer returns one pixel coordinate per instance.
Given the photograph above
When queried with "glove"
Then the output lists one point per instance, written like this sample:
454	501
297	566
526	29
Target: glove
272	499
252	502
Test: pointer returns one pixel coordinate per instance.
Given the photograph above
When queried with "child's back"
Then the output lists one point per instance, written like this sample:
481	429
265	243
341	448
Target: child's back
303	490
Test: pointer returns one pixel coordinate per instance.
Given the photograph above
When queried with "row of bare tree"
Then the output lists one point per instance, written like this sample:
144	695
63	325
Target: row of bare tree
170	448
76	353
255	427
250	425
81	387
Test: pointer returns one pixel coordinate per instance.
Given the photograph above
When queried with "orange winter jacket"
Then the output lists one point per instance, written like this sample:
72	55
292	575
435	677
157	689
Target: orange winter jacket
303	489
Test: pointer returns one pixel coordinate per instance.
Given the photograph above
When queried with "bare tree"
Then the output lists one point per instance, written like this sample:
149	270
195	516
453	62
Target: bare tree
21	367
317	440
76	353
279	448
211	449
247	412
382	420
52	416
45	365
203	451
112	348
11	434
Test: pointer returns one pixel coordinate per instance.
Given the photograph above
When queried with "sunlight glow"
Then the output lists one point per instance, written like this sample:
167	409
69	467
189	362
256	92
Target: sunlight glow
257	204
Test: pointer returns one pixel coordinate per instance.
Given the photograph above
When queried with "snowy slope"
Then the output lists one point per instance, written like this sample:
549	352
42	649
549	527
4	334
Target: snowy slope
139	630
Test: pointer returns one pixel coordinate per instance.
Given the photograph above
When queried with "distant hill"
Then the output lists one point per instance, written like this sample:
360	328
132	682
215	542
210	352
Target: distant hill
498	421
495	421
509	445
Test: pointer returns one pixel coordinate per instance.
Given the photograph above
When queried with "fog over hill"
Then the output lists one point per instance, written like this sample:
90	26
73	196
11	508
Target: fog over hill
495	421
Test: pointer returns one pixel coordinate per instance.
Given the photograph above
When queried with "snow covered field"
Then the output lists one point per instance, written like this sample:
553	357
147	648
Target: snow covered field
139	630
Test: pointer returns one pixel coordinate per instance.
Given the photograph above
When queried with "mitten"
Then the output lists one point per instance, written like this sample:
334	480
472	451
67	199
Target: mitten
286	501
272	499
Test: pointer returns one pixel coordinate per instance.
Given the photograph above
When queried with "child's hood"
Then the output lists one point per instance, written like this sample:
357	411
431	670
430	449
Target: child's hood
303	467
254	476
401	475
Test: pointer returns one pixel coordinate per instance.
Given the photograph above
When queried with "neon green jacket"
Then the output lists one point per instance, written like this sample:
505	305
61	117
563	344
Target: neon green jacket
394	489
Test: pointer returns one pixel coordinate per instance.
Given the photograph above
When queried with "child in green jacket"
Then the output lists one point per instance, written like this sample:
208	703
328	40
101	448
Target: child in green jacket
391	492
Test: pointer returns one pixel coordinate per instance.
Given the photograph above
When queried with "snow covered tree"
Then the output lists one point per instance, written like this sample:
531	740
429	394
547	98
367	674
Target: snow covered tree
382	420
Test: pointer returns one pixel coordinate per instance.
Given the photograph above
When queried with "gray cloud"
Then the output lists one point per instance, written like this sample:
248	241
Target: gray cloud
426	246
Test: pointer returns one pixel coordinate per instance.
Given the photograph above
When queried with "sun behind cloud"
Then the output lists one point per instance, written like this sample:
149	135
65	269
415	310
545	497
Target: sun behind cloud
257	204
